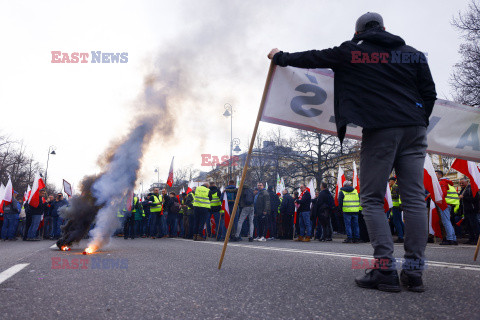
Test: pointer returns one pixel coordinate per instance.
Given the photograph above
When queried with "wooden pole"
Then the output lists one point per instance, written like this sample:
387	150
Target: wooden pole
247	161
476	250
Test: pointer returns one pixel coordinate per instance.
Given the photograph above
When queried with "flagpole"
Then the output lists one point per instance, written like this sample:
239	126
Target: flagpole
247	160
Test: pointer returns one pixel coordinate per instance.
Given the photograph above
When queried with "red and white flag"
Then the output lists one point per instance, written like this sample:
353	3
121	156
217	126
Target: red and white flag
470	169
2	195
431	184
340	180
27	194
7	194
190	187
213	226
434	221
34	198
170	174
356	181
129	200
226	209
387	201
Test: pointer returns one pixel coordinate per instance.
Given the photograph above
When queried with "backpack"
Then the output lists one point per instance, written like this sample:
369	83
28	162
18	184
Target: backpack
248	197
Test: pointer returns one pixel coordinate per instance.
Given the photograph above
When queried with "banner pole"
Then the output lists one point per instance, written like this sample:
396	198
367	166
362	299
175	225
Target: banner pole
247	161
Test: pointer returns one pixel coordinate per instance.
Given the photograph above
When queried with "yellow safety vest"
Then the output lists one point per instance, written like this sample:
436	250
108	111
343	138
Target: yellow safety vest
158	205
201	197
396	202
215	200
351	201
134	206
452	196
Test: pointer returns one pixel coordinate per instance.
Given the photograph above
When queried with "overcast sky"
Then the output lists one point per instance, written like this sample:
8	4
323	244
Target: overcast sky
221	46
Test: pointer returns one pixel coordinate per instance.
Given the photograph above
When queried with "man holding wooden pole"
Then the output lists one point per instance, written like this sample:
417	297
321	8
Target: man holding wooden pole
391	98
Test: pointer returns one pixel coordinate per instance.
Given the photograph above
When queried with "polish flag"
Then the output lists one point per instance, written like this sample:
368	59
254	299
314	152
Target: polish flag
34	198
387	201
226	209
434	221
27	194
7	194
469	169
213	226
356	181
2	195
340	180
430	182
129	200
311	189
190	187
170	174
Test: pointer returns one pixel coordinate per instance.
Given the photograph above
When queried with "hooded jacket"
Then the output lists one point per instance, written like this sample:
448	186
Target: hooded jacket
380	82
444	183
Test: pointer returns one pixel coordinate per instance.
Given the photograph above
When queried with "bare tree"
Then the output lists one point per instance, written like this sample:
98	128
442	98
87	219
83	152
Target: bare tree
465	78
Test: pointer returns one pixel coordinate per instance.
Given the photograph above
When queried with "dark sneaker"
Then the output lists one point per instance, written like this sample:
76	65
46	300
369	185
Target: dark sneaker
381	280
328	239
358	241
453	243
412	283
348	240
445	243
250	239
399	240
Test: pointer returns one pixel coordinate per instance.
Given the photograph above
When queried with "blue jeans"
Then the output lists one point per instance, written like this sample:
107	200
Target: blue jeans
32	231
57	223
447	224
10	223
351	222
163	223
305	224
172	223
154	223
397	221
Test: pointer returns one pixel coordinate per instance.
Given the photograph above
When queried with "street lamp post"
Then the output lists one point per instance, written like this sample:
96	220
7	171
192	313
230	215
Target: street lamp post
229	113
52	148
157	170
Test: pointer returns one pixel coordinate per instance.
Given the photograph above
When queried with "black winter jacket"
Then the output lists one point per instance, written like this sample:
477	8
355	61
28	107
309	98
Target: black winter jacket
371	89
287	206
304	202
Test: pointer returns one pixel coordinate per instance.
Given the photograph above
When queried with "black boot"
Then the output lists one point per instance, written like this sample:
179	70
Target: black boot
412	283
381	280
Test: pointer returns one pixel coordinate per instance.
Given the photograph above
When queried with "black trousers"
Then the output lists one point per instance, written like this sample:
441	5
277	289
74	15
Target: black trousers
472	225
129	227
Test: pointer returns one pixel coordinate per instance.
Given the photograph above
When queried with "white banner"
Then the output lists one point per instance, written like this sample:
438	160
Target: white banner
303	99
67	188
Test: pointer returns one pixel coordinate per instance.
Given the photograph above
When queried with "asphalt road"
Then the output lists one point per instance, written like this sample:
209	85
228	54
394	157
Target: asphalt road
179	279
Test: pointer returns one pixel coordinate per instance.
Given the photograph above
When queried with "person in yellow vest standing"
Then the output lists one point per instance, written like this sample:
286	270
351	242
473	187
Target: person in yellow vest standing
450	197
396	211
349	203
201	207
156	203
215	208
131	216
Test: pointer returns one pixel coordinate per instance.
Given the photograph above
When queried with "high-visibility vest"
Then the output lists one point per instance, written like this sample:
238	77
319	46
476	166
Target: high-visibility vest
201	197
120	214
134	206
215	200
158	205
351	201
452	196
396	202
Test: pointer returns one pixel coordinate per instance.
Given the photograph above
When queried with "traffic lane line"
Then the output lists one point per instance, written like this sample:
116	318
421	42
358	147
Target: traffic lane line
12	271
461	266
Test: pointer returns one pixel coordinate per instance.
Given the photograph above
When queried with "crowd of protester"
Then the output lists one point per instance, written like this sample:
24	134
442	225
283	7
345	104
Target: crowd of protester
262	215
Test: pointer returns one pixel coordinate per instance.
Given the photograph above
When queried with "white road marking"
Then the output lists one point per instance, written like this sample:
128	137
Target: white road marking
340	255
11	271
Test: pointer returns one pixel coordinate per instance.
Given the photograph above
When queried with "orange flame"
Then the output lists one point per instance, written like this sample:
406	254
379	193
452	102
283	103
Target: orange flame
89	250
65	248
